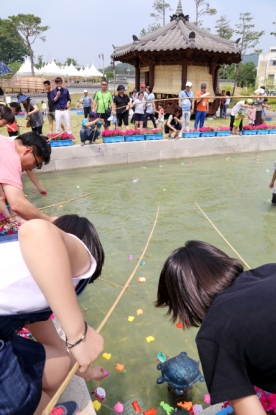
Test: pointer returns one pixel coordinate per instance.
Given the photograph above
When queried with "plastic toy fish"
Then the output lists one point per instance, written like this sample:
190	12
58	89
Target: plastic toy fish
137	408
120	367
150	339
100	394
151	411
107	356
97	405
167	408
139	312
131	319
185	405
119	408
197	408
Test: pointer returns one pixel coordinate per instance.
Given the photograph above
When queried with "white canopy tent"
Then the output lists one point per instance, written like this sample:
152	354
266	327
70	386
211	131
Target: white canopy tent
51	69
93	72
26	70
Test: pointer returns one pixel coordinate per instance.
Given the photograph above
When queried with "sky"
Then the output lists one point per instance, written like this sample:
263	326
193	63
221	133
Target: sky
84	29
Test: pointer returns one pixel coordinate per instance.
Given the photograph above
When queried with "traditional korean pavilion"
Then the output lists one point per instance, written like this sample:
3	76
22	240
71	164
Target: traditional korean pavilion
176	53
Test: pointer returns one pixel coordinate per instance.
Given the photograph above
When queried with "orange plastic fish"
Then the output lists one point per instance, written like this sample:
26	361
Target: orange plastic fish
185	405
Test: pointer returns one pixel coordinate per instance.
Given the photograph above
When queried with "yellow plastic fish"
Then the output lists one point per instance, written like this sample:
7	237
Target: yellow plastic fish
131	318
150	339
139	312
107	356
97	405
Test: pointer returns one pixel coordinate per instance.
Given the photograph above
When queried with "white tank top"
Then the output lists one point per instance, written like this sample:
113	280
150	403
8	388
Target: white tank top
19	292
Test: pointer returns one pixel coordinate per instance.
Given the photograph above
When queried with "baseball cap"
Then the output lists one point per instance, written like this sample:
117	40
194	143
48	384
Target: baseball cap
85	90
189	84
250	101
121	88
143	85
93	114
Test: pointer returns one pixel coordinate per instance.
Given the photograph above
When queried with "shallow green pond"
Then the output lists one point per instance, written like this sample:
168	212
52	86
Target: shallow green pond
235	195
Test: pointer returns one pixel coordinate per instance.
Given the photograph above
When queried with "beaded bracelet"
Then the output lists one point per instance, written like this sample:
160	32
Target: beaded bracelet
70	345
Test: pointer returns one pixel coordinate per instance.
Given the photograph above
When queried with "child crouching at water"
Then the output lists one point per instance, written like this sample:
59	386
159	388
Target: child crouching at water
236	312
48	266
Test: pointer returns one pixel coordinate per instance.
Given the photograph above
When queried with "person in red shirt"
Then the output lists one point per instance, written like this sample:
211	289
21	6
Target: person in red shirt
202	106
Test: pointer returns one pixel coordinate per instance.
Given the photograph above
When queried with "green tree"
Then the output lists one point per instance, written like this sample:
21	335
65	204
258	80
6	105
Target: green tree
203	8
161	9
12	47
29	29
151	28
273	33
247	74
40	62
248	38
71	60
223	28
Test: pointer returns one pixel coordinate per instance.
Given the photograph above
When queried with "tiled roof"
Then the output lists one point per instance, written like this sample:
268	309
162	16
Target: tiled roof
175	36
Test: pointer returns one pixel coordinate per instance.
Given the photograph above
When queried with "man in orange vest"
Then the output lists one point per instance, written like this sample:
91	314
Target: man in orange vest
202	106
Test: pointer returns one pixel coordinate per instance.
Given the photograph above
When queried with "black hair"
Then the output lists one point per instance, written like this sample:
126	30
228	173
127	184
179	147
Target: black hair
16	106
176	110
228	93
39	143
149	88
140	92
46	83
191	278
83	229
6	114
265	99
160	104
2	91
58	79
223	91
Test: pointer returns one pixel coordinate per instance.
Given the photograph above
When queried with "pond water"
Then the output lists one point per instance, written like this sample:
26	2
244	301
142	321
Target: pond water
232	191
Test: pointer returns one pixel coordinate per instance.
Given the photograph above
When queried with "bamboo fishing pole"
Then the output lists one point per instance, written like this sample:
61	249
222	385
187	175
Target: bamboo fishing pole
70	375
50	206
220	234
206	97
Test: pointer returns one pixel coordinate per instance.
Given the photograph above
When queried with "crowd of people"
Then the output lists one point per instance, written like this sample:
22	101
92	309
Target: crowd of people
56	257
105	109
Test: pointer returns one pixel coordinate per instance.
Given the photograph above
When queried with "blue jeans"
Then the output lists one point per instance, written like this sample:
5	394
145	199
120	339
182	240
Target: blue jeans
90	137
200	118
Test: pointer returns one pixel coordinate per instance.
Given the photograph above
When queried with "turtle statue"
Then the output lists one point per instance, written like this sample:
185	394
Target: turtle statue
181	372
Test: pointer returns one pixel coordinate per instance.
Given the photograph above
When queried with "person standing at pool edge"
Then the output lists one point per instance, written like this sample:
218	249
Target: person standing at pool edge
51	107
187	105
62	100
202	106
103	100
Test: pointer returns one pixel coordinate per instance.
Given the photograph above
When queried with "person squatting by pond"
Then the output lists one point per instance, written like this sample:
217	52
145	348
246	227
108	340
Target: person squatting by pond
236	311
32	371
33	115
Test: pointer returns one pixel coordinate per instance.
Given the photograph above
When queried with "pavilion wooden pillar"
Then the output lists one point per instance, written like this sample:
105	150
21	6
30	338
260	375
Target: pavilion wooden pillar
151	75
137	75
214	71
184	73
216	78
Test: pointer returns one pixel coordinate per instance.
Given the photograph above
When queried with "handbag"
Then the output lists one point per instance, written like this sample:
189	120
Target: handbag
107	110
28	122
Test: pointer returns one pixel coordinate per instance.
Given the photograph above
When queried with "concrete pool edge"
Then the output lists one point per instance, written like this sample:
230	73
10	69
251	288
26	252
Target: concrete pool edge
98	155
